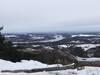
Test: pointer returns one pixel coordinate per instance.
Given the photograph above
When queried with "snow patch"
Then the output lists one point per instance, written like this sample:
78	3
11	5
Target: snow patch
87	46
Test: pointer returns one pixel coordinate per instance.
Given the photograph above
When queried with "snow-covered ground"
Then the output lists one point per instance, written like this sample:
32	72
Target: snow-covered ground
62	46
56	38
84	35
76	42
86	71
88	59
88	46
24	64
37	37
9	36
7	65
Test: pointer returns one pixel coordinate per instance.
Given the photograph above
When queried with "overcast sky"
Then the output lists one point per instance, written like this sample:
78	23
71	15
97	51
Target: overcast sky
49	15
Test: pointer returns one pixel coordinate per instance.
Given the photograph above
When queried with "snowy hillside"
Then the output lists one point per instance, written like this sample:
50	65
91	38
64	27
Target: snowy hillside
24	64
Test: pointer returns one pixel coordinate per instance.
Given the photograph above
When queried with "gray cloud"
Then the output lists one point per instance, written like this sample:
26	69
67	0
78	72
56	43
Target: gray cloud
49	15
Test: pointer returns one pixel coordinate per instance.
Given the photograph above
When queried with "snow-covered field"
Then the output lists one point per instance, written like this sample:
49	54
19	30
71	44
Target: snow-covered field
88	59
7	65
88	46
83	46
56	38
37	37
62	46
85	35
